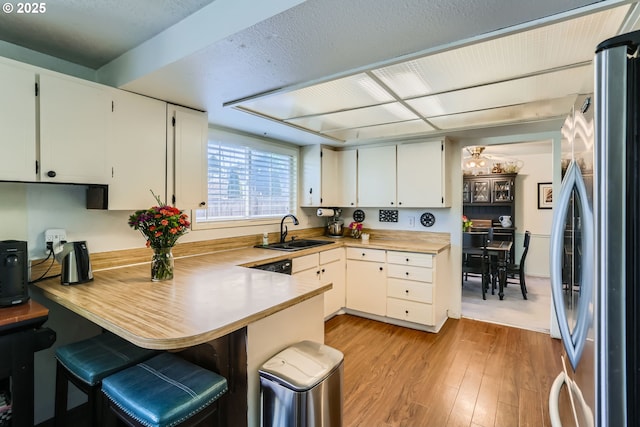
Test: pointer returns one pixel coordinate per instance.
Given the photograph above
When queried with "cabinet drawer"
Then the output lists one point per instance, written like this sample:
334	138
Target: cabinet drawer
410	258
410	291
304	263
366	254
409	272
410	311
331	255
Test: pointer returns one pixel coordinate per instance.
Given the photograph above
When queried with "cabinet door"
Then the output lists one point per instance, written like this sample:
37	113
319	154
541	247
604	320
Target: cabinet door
137	151
310	180
377	176
502	190
367	287
18	124
74	130
319	176
347	178
420	174
333	272
481	191
466	191
329	178
188	131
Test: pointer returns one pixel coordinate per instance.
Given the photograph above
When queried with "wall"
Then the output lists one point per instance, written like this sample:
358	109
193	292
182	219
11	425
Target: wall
537	168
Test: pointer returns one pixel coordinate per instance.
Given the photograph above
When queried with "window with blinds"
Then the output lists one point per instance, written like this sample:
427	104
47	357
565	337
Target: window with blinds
248	182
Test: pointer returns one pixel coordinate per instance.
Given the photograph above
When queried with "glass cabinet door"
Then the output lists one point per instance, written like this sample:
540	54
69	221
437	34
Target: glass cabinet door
480	191
502	190
466	192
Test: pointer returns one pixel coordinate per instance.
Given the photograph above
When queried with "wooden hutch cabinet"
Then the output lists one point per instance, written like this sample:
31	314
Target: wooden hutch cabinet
489	197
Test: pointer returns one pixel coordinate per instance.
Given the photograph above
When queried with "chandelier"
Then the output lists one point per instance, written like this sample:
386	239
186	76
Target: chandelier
479	163
476	161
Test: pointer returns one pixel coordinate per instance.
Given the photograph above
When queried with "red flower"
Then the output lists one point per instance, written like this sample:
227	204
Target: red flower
161	225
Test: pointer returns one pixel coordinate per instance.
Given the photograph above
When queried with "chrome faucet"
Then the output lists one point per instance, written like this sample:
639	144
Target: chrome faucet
283	234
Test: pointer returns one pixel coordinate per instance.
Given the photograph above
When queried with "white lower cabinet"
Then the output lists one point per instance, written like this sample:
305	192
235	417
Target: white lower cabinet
328	267
410	288
398	285
366	281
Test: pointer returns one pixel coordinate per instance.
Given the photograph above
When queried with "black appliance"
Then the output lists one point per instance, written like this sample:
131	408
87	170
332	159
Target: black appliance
14	273
283	266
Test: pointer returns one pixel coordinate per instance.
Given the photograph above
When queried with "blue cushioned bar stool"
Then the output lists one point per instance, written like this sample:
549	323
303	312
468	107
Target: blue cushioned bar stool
86	363
164	391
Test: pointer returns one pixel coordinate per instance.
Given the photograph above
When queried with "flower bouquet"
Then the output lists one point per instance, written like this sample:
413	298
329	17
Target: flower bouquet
356	229
161	225
466	224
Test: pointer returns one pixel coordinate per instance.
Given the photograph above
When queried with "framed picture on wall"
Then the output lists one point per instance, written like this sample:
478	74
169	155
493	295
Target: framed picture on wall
545	195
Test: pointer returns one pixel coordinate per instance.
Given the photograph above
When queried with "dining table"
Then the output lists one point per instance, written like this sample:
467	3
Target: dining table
500	251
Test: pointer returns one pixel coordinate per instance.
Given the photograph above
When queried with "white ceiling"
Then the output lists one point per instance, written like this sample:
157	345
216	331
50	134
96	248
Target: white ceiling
203	54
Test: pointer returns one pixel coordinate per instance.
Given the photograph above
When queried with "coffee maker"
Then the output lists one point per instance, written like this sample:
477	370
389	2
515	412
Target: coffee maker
14	273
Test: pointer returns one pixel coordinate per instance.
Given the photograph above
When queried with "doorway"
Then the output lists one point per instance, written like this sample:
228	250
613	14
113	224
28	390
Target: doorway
534	166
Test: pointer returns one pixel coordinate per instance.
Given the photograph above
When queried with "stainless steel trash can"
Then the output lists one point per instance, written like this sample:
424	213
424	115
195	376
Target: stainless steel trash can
302	387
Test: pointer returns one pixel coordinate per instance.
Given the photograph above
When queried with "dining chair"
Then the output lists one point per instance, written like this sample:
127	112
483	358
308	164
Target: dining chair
475	258
517	270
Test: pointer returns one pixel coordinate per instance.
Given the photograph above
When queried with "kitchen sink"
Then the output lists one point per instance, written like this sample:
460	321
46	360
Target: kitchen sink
296	245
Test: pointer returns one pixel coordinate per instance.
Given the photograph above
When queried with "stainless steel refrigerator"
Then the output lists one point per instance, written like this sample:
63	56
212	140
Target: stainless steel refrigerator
595	248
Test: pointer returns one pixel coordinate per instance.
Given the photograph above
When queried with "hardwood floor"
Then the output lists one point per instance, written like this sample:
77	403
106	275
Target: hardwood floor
471	374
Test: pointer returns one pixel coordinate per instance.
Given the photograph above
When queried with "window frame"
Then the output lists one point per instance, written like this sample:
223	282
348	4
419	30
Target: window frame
252	142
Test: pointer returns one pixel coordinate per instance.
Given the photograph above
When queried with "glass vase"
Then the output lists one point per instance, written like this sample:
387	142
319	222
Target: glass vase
355	233
161	264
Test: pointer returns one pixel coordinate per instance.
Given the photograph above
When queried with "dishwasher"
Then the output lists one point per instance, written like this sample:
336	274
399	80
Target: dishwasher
283	266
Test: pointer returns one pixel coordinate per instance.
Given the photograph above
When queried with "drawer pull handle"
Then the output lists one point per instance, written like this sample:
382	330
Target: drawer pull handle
406	312
407	291
407	273
363	254
380	268
318	272
407	259
323	270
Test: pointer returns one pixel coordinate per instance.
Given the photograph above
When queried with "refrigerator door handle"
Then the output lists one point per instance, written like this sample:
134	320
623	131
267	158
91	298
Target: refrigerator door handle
577	398
573	341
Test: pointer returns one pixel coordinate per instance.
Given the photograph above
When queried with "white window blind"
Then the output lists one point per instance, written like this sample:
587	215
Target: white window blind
248	182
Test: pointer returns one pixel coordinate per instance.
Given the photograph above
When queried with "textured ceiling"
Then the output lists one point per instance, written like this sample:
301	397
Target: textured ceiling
93	32
314	41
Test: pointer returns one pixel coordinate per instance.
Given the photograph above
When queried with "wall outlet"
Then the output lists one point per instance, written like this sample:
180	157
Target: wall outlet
412	221
53	239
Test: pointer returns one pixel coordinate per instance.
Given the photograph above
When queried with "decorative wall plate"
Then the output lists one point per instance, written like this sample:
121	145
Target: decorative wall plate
358	215
427	219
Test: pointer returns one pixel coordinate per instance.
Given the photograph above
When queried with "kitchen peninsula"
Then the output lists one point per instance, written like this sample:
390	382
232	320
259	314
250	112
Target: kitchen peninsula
240	316
235	318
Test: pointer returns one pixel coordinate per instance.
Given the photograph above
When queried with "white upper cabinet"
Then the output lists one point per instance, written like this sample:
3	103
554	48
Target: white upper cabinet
18	124
74	130
137	151
187	145
319	184
377	176
421	174
347	185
